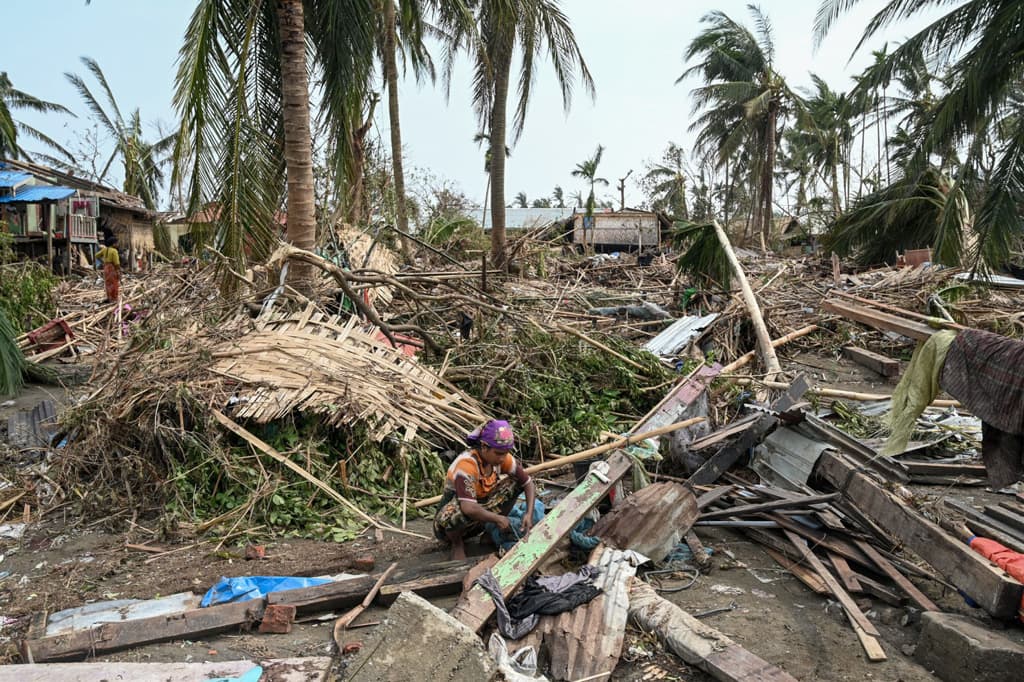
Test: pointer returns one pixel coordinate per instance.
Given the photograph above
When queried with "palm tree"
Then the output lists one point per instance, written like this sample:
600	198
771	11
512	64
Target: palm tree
543	202
577	199
743	101
824	123
521	201
12	99
531	28
242	87
667	183
587	169
980	43
141	161
558	196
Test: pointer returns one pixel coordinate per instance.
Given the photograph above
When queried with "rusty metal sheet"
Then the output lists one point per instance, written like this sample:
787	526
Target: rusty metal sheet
651	521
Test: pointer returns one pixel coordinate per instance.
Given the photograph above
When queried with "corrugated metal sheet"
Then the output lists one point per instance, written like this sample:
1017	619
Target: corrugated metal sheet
527	218
679	333
37	193
13	178
587	641
786	458
651	521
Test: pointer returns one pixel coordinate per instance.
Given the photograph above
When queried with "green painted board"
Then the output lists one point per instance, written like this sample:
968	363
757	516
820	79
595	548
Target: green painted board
476	606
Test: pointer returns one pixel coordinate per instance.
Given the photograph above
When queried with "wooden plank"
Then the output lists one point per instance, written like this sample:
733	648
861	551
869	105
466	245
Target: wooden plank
748	509
476	605
741	424
878	590
987	526
876	362
909	588
938	469
820	538
879	320
701	557
996	592
864	628
678	399
844	572
1005	514
697	643
719	463
808	577
314	669
343	594
712	496
109	637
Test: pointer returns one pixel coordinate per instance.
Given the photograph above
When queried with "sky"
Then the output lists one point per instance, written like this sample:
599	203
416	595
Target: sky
633	49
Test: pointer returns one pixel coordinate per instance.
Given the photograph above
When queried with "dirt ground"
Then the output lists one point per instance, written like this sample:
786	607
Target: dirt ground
63	561
59	564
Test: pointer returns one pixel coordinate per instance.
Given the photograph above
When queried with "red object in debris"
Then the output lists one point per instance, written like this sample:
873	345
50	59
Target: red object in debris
351	648
1003	557
53	334
406	344
277	619
365	562
255	552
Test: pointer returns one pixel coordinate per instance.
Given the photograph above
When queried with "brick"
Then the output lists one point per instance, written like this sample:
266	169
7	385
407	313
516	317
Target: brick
277	619
366	562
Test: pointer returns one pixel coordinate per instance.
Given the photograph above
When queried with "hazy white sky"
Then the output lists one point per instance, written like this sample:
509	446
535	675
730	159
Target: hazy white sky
634	51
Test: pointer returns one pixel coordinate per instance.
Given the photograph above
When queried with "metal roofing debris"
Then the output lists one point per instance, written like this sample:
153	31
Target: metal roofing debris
32	428
679	333
37	193
786	458
994	280
13	178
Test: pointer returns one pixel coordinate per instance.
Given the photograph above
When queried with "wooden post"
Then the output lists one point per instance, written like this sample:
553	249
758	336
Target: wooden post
483	272
764	341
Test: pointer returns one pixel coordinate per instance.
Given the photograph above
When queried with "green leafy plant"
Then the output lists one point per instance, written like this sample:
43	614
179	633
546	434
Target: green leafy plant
26	289
12	362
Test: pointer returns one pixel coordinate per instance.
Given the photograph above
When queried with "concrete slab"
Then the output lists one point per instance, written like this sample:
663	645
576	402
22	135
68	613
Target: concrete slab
418	641
313	669
956	648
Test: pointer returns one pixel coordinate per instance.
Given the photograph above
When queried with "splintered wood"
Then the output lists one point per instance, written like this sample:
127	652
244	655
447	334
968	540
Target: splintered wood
339	370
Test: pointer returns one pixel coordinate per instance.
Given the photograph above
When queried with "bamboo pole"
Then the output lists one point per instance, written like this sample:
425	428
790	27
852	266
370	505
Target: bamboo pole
745	359
591	452
836	393
764	341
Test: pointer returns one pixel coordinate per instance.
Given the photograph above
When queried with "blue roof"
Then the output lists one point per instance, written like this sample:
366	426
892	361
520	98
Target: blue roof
12	178
35	193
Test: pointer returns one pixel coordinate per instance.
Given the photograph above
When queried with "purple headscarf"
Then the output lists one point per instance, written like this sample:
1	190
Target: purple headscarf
496	434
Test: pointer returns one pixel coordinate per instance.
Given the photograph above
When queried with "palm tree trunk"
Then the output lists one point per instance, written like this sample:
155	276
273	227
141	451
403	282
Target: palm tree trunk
391	73
863	135
767	174
725	199
502	69
836	203
298	146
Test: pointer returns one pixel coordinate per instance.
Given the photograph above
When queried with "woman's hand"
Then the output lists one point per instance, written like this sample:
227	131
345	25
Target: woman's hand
503	523
527	523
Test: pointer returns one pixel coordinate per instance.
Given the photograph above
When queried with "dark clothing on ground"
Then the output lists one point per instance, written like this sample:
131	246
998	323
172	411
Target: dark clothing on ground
523	610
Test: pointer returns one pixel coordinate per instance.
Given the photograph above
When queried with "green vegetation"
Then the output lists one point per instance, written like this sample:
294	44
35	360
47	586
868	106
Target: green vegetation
26	289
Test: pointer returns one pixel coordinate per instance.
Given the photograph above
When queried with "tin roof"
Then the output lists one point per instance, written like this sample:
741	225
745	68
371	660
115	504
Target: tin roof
13	178
669	341
35	193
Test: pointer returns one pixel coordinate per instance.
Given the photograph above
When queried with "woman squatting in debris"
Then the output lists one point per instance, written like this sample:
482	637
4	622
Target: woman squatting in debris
481	487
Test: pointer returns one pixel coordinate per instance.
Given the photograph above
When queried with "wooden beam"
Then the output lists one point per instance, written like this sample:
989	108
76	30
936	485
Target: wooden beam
748	509
697	643
909	588
864	628
712	496
879	320
476	605
994	590
109	637
845	573
876	362
719	463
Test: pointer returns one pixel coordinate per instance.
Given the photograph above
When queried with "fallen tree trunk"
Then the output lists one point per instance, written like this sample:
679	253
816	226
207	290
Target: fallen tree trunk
696	643
744	360
764	341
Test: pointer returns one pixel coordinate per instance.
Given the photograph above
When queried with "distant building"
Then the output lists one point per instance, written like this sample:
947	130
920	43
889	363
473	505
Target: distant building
630	229
47	211
525	218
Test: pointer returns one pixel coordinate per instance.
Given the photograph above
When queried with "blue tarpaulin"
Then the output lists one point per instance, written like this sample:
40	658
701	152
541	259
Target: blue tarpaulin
245	588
